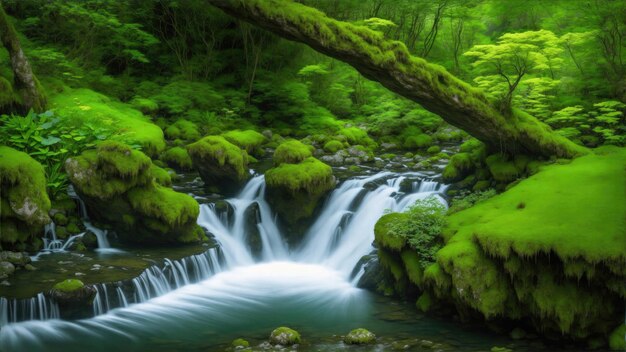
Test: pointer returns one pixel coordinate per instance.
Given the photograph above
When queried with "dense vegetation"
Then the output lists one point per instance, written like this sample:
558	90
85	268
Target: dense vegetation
115	97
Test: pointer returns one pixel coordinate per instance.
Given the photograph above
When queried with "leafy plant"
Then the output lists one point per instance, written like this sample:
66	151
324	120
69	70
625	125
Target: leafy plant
50	140
421	228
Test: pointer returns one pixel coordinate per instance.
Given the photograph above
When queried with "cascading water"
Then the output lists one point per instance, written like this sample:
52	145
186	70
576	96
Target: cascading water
225	288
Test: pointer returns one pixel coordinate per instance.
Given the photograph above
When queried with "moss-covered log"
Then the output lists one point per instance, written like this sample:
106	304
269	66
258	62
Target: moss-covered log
25	81
390	63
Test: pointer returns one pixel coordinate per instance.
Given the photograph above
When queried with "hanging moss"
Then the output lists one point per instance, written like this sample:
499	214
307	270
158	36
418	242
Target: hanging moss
292	152
177	158
502	169
24	201
220	163
247	140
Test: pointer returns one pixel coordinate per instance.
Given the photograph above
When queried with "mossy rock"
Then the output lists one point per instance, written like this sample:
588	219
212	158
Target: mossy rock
248	140
357	136
24	202
386	238
360	337
420	141
285	336
424	302
435	149
333	146
72	293
121	187
295	190
240	343
220	163
459	167
184	130
291	152
177	158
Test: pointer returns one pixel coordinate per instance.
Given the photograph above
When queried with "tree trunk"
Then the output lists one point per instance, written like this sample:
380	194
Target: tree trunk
390	63
24	79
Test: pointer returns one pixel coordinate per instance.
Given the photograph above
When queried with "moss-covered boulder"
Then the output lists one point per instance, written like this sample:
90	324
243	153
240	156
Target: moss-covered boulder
296	185
184	130
177	158
249	140
240	343
459	167
360	337
220	163
24	203
72	292
123	189
284	336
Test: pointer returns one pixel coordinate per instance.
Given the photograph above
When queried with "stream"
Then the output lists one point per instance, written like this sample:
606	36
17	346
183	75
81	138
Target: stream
202	302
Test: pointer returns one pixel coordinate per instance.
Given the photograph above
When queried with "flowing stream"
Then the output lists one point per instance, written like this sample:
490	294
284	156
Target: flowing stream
232	290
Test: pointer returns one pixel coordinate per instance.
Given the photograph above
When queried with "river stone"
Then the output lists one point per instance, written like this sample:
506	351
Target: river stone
73	295
360	337
335	159
240	344
252	217
17	258
6	269
284	336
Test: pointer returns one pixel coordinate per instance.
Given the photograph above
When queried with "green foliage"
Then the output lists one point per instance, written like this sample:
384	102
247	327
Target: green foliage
470	200
421	228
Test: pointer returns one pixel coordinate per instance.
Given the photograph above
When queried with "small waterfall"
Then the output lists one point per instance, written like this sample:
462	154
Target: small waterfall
34	308
156	281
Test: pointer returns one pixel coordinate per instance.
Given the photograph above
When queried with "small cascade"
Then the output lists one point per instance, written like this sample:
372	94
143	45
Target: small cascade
50	240
34	308
156	281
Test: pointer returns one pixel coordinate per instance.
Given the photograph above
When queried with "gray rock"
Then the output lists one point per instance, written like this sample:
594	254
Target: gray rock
333	159
388	146
6	269
17	258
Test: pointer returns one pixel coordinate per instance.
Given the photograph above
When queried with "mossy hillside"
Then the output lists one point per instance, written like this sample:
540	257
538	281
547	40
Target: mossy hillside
86	106
548	248
248	140
184	130
122	188
177	158
219	162
24	201
292	152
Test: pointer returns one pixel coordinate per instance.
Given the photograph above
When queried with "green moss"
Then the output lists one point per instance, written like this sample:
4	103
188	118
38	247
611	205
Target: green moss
311	176
481	186
7	96
392	262
240	343
118	159
292	152
248	140
184	130
357	136
435	149
412	266
165	204
177	158
360	337
419	141
333	146
86	106
384	237
25	203
459	167
146	106
161	176
424	302
502	169
69	285
617	340
217	149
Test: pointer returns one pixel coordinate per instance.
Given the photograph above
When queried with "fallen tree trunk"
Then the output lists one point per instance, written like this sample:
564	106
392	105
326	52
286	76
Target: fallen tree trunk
24	80
390	63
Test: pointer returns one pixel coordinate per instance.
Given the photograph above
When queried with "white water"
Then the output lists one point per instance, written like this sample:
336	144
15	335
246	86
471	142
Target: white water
317	274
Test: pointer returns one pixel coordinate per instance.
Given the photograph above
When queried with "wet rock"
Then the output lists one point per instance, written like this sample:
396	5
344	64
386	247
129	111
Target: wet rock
6	269
284	336
240	344
335	159
72	292
90	240
30	267
389	146
16	258
252	217
360	337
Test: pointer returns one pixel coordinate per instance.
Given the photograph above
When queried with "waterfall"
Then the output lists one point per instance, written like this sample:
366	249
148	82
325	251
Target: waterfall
338	238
